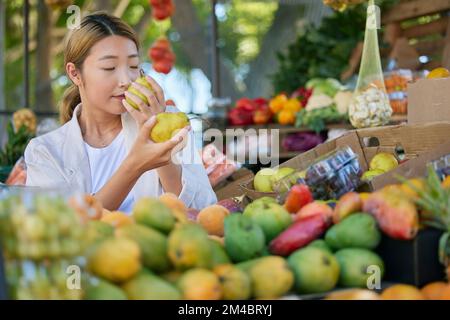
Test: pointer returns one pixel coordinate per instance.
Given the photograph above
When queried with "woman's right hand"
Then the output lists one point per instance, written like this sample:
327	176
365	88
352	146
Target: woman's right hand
146	155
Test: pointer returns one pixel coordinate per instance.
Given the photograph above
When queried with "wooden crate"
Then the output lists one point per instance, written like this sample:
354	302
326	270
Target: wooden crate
425	25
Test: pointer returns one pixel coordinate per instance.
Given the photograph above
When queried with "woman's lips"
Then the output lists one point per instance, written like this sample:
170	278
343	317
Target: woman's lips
120	97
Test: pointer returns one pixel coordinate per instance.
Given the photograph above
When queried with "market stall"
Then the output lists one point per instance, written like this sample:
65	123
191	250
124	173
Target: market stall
356	207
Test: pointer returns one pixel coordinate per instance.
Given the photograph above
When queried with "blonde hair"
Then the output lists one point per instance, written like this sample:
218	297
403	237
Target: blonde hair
78	43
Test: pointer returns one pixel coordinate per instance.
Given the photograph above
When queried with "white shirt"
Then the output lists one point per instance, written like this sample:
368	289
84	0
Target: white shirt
59	159
104	162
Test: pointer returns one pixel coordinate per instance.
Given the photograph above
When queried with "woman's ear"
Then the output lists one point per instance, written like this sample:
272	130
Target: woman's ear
73	73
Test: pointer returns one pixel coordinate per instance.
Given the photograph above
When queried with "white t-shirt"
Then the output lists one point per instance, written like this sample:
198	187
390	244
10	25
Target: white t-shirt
104	162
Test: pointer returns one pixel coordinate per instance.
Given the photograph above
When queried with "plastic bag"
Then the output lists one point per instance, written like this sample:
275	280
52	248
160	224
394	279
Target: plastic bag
217	166
18	175
370	105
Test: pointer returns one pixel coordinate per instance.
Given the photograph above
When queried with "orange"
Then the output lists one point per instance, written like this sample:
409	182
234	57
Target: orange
438	73
434	290
402	292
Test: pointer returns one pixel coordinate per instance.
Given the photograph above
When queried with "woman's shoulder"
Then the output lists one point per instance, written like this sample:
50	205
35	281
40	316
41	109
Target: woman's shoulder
52	140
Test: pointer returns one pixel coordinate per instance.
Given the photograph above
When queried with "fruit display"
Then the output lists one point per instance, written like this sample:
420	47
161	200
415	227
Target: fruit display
265	249
41	237
370	108
249	111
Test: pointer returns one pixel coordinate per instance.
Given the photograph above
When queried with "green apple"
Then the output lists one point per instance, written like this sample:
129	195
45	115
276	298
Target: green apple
262	182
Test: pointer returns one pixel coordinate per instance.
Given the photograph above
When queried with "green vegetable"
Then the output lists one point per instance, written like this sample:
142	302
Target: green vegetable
15	147
317	119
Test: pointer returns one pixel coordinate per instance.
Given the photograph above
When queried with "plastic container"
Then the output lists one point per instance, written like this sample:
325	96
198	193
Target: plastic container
329	177
442	166
41	237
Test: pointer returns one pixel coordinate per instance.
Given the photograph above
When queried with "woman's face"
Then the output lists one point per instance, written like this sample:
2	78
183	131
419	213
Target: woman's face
108	70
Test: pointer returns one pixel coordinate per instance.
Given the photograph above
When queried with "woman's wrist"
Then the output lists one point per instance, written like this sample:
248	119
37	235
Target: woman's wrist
132	167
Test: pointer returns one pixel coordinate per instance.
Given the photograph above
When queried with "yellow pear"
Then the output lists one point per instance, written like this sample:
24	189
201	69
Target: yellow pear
167	125
136	92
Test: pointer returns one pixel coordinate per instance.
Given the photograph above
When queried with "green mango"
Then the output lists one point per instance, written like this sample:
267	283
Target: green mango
315	270
98	289
152	243
356	231
321	244
219	255
155	214
244	239
354	264
147	286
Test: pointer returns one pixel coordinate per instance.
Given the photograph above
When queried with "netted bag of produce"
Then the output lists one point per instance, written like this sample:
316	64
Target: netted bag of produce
370	105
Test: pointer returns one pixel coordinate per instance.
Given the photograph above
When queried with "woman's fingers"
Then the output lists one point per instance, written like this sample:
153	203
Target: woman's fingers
142	105
136	114
147	128
158	90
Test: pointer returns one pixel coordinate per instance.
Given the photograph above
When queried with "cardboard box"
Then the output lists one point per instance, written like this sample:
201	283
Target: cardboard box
413	140
429	100
231	187
414	261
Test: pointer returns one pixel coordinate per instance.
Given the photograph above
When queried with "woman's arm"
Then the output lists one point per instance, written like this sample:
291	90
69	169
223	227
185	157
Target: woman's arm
170	178
145	155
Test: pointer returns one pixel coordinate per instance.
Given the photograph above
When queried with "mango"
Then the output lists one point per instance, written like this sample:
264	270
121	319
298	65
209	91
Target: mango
321	244
211	219
189	247
167	125
315	270
152	244
98	289
357	231
349	203
270	276
154	213
235	283
395	213
244	239
147	286
115	259
200	284
271	217
354	264
218	254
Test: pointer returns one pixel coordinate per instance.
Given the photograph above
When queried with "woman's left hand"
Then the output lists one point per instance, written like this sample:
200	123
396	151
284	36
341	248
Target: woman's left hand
156	102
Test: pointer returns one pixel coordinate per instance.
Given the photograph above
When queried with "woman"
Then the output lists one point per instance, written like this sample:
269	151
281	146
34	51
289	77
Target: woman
103	148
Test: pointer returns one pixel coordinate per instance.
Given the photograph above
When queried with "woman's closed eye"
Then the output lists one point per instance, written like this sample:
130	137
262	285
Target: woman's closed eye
113	68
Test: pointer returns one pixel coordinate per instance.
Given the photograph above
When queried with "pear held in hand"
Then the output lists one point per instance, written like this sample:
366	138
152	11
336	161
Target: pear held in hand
167	125
136	92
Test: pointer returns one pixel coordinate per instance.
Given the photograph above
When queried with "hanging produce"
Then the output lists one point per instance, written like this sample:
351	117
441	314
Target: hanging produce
162	56
370	105
162	9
